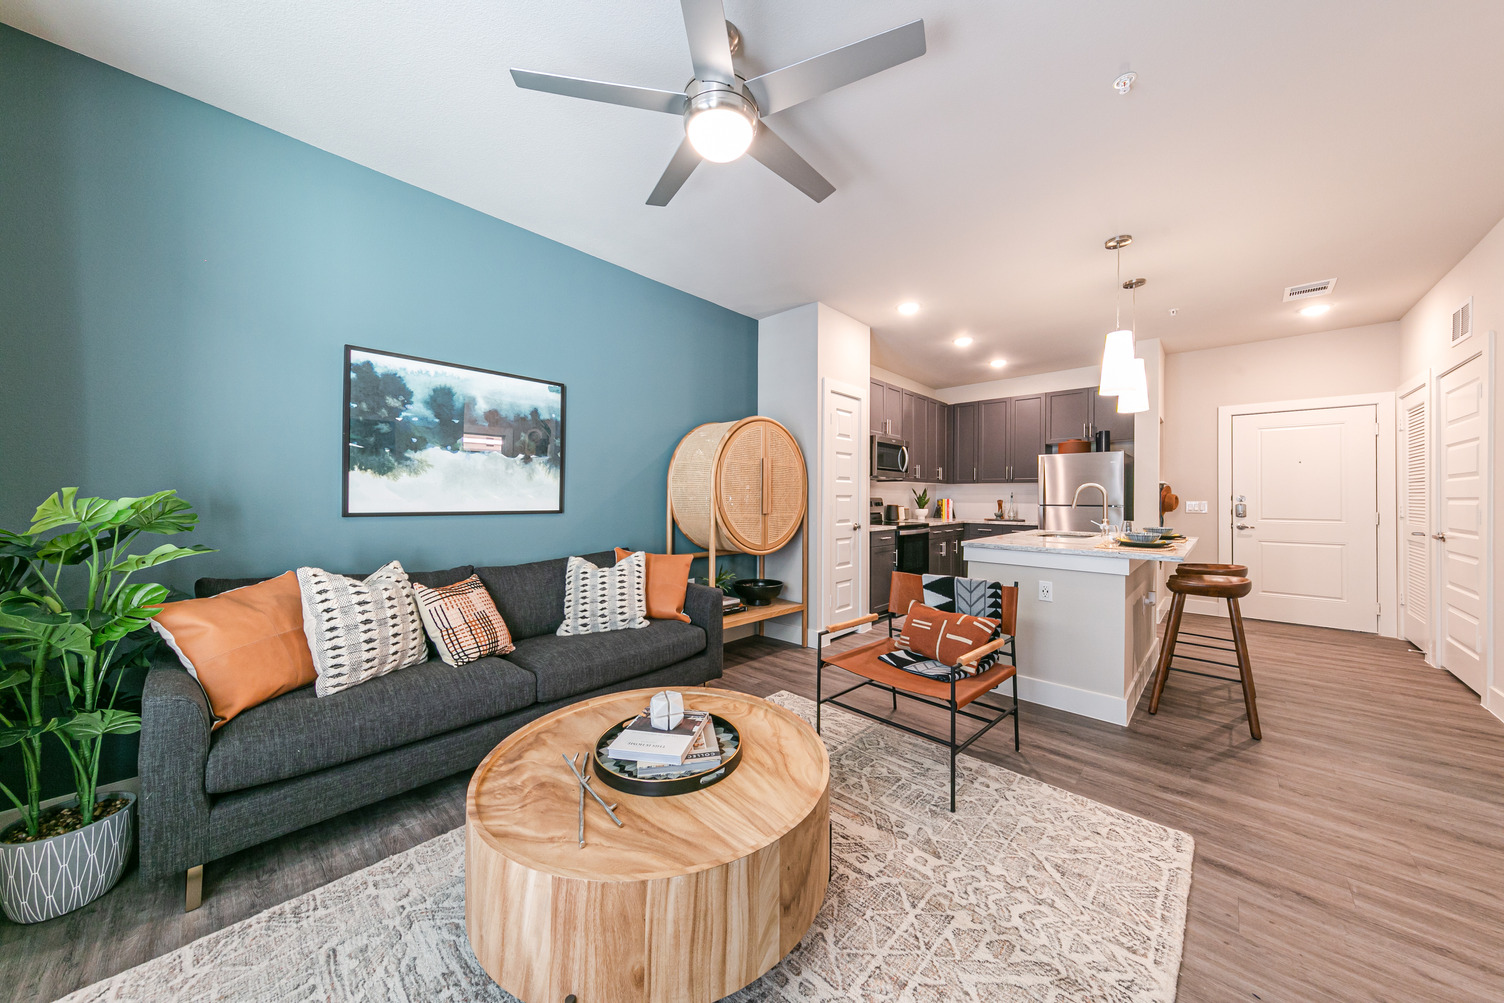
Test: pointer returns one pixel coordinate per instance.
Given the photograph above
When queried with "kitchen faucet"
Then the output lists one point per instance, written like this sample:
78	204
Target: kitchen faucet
1106	519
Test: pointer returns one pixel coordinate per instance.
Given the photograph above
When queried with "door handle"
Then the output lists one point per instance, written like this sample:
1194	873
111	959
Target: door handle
1417	533
1244	525
1439	536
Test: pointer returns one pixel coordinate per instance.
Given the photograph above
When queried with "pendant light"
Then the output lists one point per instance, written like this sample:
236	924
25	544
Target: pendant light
1117	354
1136	397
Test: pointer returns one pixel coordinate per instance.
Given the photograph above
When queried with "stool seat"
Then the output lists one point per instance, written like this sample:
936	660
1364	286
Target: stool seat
1210	586
1193	570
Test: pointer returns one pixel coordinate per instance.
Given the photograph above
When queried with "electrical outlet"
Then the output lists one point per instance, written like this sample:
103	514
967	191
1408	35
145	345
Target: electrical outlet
1046	592
1199	506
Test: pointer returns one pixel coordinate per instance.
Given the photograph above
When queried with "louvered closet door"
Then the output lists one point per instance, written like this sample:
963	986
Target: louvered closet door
1415	517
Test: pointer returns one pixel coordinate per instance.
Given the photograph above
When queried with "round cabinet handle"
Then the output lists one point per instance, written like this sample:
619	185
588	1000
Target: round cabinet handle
1439	536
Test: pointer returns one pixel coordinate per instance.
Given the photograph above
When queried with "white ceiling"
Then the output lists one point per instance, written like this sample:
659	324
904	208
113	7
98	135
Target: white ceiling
1265	144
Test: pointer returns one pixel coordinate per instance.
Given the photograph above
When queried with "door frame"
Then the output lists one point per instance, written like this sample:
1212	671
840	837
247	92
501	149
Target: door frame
1387	531
825	502
1423	380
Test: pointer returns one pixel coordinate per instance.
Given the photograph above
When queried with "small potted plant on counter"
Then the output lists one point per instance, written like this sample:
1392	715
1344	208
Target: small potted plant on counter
922	502
62	669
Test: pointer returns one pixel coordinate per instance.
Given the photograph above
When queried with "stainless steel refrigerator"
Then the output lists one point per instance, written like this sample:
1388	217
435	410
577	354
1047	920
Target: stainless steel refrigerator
1060	474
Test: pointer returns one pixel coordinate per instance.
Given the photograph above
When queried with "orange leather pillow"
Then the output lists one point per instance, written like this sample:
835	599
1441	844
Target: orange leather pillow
945	637
668	580
244	646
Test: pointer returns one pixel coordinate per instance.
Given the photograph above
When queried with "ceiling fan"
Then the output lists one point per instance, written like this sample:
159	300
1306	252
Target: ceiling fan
723	113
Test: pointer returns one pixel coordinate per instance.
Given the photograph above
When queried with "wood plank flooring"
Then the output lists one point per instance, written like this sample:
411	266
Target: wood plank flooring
1357	853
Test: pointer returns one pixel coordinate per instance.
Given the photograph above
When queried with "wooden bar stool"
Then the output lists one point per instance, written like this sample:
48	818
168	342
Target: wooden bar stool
1209	586
1202	570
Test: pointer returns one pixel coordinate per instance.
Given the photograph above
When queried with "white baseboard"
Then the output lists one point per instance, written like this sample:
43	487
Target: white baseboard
129	784
1494	702
1100	706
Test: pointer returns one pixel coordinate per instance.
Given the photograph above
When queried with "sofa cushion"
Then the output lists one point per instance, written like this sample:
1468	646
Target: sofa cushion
298	733
530	597
569	666
206	587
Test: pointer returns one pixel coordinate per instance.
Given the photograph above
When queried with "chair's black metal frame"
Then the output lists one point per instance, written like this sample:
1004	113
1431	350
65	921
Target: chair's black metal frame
1008	650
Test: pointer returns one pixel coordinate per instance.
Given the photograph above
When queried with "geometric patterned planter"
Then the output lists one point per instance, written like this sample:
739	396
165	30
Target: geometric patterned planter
61	873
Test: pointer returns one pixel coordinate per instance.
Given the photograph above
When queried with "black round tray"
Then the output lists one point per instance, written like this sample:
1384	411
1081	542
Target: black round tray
617	774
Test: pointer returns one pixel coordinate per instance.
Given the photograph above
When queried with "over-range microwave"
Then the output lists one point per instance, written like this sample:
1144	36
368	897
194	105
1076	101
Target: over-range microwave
890	457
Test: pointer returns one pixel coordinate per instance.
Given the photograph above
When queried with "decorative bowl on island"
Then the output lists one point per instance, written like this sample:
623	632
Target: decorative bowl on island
1160	530
1141	536
757	591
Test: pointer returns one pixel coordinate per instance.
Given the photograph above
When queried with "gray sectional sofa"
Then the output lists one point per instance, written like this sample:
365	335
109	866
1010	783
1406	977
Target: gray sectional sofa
300	759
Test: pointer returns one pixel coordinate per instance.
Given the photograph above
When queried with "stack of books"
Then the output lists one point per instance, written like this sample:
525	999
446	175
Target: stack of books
690	747
731	604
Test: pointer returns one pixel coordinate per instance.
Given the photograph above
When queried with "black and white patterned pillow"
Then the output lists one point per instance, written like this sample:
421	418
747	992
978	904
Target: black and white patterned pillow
602	599
974	596
359	630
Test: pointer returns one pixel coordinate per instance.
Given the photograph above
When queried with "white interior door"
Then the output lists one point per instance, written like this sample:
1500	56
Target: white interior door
842	529
1460	518
1415	516
1305	515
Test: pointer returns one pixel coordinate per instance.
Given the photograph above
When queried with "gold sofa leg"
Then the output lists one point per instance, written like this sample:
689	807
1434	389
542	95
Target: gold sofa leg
195	888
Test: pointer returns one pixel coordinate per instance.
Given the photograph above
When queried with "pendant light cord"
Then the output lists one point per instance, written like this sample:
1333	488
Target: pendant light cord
1117	295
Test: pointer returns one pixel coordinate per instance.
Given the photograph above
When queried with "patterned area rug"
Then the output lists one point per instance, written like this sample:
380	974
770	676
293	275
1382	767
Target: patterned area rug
1026	893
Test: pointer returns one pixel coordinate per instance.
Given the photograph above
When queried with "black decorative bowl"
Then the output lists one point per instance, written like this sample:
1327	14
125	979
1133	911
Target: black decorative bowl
757	591
622	774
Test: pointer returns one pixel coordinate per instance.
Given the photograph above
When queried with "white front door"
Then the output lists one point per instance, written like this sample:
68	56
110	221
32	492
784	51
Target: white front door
1415	516
1305	514
1459	517
841	462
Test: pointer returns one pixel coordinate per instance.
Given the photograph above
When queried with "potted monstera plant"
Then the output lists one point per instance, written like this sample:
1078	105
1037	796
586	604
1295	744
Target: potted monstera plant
72	626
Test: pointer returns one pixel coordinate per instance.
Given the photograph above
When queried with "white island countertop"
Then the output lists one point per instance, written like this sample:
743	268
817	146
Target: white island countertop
1032	542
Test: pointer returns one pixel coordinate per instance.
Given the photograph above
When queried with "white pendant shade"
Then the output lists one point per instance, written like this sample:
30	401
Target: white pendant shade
1136	398
1117	364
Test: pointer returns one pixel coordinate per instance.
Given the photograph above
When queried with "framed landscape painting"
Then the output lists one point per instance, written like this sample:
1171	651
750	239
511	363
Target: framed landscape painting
434	438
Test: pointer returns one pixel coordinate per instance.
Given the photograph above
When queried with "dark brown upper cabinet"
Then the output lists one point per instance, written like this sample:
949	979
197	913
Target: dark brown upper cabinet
1068	414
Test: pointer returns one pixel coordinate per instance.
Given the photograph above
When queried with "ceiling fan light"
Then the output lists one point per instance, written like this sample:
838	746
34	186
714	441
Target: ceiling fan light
720	125
1117	364
1136	397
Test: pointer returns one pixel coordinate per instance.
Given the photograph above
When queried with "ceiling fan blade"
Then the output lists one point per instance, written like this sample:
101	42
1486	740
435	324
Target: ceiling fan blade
817	75
780	158
709	45
679	169
671	102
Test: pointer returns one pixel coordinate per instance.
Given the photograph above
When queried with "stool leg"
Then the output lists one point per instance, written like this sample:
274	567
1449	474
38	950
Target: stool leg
1245	668
1167	651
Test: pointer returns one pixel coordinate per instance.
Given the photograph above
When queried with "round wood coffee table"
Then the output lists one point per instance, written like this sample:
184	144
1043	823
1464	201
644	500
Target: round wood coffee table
693	898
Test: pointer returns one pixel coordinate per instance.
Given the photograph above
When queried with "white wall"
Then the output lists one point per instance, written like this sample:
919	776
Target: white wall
798	351
1425	343
1355	360
1021	386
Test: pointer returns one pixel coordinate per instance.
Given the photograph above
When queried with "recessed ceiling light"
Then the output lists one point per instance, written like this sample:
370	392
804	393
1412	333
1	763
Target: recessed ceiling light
1315	309
963	341
908	308
998	363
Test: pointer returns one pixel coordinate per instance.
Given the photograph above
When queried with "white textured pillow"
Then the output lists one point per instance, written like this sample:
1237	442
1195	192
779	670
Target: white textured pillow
602	599
359	630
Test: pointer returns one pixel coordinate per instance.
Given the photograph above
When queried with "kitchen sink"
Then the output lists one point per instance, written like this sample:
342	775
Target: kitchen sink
1074	534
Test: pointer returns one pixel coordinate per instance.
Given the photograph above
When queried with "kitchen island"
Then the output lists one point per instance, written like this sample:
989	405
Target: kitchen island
1087	631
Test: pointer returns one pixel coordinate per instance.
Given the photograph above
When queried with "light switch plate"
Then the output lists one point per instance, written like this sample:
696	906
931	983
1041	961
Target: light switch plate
1196	506
1046	591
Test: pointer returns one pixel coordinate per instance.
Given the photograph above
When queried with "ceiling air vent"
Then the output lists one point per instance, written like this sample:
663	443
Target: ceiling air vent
1306	290
1462	321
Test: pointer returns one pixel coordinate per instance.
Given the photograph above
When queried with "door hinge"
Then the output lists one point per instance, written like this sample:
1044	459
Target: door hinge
1376	429
1378	609
1378	517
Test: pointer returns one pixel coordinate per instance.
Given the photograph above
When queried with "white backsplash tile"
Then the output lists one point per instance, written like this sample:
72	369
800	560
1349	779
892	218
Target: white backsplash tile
973	501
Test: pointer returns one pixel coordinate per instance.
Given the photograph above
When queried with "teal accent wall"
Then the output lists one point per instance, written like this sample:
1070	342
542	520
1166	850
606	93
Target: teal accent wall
176	288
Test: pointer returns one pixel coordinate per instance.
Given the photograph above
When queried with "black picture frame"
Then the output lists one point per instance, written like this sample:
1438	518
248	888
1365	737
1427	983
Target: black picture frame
553	432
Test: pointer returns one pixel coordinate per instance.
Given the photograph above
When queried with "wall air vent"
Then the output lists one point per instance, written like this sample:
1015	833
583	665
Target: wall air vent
1306	290
1462	321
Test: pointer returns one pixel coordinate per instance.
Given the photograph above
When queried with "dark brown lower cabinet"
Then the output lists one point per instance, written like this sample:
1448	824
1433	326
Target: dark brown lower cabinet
882	561
945	550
